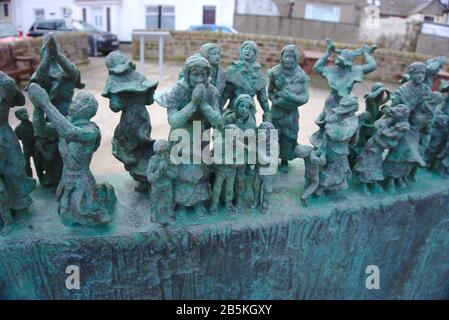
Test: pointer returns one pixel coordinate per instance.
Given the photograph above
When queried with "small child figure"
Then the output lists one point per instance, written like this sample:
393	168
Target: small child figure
25	133
263	183
5	212
225	173
160	174
313	160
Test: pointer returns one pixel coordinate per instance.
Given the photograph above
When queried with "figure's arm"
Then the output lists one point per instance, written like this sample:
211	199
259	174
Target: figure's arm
322	62
69	68
262	97
115	103
370	65
41	75
177	118
227	94
212	113
301	98
153	173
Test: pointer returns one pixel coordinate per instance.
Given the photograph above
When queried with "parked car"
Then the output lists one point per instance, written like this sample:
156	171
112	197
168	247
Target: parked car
8	33
213	28
102	41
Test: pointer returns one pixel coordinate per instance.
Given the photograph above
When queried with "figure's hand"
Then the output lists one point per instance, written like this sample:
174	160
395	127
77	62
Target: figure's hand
38	96
52	46
369	49
198	94
330	46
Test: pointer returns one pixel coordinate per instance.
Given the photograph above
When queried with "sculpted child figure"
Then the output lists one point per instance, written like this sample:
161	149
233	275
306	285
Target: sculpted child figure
389	130
192	103
340	131
81	200
288	89
16	185
161	174
313	163
246	76
25	133
129	92
225	171
267	153
241	116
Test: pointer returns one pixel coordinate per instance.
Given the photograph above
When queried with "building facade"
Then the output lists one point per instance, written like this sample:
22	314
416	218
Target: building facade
123	16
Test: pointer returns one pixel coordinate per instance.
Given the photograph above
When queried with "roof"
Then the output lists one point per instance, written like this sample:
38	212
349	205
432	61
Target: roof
405	8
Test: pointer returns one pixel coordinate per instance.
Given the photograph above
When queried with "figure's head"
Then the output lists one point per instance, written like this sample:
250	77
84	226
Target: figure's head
400	112
161	146
365	118
248	51
303	151
289	56
9	93
401	126
243	105
21	114
196	70
435	99
211	52
444	86
117	63
417	72
83	107
345	58
348	105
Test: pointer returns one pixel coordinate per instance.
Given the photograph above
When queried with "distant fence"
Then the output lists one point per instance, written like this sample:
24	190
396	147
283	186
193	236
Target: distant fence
392	63
296	27
73	44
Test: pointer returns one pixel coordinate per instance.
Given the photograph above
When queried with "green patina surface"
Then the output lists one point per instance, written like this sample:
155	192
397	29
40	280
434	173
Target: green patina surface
291	252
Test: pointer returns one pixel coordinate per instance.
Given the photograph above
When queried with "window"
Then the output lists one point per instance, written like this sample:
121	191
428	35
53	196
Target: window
60	25
160	17
39	14
429	19
84	15
323	12
5	10
208	15
47	25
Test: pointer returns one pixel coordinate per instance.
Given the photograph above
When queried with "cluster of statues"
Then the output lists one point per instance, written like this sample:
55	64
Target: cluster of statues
378	149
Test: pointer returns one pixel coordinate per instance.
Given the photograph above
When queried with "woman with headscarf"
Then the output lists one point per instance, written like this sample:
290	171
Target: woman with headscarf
16	184
288	89
192	104
245	76
130	92
402	161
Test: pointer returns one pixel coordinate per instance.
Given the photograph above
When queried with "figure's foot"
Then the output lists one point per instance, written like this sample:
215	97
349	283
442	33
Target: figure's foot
390	186
231	209
200	209
284	166
238	204
6	229
377	188
364	189
255	204
402	183
265	207
304	202
213	209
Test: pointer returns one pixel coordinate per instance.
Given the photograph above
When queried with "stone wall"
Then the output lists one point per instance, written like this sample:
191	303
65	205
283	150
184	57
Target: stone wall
433	45
297	27
73	44
392	63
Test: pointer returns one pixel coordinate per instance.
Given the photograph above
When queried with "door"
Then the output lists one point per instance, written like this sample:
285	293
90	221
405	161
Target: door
209	15
96	18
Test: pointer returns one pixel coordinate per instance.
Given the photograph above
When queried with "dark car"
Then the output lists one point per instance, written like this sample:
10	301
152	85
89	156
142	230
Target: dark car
212	28
98	41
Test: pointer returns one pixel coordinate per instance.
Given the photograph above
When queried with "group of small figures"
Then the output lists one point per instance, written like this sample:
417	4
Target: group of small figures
383	146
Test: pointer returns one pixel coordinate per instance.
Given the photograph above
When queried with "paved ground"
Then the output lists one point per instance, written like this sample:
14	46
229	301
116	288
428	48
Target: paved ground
94	76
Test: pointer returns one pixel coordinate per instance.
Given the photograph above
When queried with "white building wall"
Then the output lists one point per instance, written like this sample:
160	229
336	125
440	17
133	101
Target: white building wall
126	15
24	11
